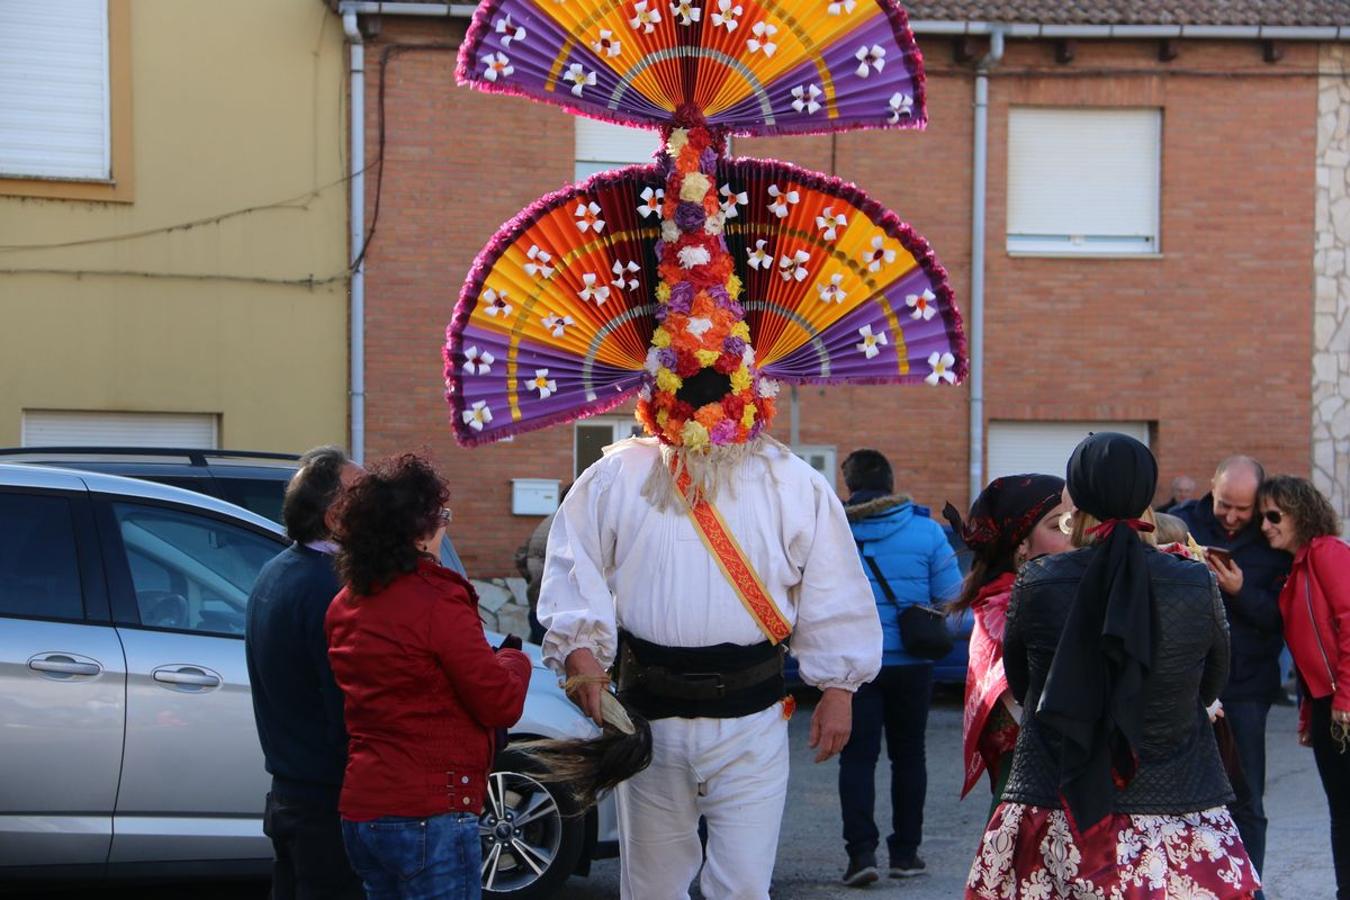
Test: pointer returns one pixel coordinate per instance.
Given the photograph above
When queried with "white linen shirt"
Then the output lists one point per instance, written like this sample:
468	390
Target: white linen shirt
615	561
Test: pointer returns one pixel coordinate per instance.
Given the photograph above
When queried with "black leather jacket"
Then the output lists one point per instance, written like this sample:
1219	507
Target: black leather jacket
1179	766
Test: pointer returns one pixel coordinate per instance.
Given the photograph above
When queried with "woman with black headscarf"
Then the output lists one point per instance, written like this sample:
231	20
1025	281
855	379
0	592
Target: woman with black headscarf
1114	651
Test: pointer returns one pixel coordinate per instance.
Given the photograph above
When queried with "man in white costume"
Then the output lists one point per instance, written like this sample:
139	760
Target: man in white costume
621	560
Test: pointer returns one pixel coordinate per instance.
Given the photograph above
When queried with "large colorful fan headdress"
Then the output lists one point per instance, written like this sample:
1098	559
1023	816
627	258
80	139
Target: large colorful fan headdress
700	282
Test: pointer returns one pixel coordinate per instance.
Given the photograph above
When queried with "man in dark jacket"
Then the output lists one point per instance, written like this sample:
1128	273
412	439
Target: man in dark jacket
907	553
296	703
1250	578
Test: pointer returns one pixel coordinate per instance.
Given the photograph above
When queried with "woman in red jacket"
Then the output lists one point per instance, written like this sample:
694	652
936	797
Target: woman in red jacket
1315	604
423	691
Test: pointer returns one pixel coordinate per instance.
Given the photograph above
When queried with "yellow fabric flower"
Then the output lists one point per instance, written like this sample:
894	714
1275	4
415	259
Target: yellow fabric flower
694	436
741	330
694	186
748	417
660	338
678	138
734	286
706	357
740	380
662	417
667	380
663	292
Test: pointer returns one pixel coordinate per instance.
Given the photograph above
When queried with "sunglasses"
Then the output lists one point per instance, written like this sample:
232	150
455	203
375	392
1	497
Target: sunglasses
1273	516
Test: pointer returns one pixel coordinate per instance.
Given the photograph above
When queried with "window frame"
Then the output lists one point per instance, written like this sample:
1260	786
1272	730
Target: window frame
88	560
119	187
615	422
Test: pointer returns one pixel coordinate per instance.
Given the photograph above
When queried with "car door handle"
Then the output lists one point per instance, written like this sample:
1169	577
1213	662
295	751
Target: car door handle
187	675
60	664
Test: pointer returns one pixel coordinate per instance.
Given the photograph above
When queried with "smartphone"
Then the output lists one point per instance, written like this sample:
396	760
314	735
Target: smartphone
1220	554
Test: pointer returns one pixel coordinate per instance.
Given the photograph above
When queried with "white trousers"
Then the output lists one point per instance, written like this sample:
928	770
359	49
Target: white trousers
734	773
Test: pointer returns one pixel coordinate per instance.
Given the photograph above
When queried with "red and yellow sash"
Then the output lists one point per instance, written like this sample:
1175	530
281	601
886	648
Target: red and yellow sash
722	544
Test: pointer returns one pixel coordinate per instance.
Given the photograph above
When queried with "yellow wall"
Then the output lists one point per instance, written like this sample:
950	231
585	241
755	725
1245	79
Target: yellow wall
233	106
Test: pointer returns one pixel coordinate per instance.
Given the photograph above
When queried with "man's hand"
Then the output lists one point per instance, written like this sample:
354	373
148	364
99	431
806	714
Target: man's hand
832	723
1228	574
583	664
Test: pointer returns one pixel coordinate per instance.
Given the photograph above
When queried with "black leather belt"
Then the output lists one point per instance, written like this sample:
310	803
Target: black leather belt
723	681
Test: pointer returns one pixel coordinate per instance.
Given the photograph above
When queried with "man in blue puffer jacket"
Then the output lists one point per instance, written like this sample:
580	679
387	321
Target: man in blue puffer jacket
912	554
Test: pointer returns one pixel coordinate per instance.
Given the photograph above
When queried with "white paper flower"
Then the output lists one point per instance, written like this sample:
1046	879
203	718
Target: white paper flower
829	222
923	305
477	415
543	384
804	98
941	364
841	7
477	362
698	327
686	11
607	45
781	200
715	224
767	388
793	268
869	58
579	77
588	217
731	199
496	303
759	258
833	292
497	65
728	12
592	291
509	31
644	19
623	275
878	254
871	343
694	256
761	42
652	198
670	232
557	325
538	266
901	106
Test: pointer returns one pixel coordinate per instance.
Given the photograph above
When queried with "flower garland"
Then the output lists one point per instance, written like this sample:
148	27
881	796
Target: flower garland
702	326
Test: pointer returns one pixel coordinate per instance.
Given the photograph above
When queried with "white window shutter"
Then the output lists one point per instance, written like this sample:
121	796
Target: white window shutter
602	145
1045	447
54	93
1084	180
66	428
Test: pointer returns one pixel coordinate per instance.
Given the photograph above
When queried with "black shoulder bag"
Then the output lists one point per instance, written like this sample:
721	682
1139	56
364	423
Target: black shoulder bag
923	629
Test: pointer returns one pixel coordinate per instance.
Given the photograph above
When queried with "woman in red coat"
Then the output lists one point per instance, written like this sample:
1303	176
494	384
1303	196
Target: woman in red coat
424	693
1315	604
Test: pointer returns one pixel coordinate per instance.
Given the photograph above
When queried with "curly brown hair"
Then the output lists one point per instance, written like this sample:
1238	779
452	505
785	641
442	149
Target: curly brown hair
1296	497
381	517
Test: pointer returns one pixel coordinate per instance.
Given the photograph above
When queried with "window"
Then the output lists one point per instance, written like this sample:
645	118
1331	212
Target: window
820	457
601	146
593	435
191	572
1045	447
64	428
65	99
1083	180
39	570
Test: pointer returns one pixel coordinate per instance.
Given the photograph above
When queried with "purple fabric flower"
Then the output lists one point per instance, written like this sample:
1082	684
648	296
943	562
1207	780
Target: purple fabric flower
689	216
664	165
755	429
660	248
733	345
718	294
724	432
666	357
681	298
707	161
736	310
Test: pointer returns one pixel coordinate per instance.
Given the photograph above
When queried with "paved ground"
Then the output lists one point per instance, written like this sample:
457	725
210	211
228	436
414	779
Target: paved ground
810	856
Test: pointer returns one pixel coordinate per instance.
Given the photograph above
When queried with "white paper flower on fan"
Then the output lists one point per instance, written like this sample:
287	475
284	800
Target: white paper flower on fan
496	303
941	364
623	274
829	222
804	98
728	12
607	45
759	257
781	200
509	31
477	415
477	362
557	325
732	199
644	19
869	58
686	11
652	198
592	291
923	305
833	292
793	268
878	254
871	343
901	106
543	384
761	42
579	77
538	266
841	7
497	65
588	217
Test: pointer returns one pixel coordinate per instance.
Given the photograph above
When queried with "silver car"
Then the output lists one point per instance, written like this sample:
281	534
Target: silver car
126	725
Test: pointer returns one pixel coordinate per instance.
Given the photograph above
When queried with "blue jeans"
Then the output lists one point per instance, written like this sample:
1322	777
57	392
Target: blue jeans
398	858
896	703
1247	719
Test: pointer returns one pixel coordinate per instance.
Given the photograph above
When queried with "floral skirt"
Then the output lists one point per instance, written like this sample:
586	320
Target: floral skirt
1030	853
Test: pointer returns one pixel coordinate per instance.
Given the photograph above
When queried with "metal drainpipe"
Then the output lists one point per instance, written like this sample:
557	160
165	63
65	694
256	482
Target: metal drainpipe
975	310
357	232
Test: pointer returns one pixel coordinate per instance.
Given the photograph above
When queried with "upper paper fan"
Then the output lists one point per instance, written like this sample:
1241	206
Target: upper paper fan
753	67
556	318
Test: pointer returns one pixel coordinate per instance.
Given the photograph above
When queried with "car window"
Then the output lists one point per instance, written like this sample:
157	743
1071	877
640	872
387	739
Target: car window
190	571
258	495
39	569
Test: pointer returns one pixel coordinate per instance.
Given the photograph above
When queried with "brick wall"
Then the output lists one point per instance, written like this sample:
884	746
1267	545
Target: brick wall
1211	341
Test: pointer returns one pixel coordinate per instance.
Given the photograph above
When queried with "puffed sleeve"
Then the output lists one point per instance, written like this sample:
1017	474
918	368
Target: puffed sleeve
837	640
576	604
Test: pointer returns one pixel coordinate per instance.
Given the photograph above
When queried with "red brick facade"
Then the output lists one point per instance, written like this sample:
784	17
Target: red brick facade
1210	342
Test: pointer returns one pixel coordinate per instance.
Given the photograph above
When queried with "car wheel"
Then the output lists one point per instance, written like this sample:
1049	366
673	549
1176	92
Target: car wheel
531	834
